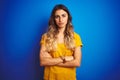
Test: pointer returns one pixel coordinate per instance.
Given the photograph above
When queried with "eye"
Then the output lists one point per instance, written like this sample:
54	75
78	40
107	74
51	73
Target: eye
56	16
63	15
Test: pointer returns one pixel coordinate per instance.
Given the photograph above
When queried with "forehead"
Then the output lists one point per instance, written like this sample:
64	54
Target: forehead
60	11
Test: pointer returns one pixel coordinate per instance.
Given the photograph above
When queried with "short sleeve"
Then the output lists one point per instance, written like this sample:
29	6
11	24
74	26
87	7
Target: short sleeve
42	41
78	41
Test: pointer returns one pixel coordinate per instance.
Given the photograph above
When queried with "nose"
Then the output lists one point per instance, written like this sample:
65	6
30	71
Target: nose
60	19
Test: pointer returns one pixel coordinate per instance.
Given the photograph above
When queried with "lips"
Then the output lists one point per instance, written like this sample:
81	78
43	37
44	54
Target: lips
60	23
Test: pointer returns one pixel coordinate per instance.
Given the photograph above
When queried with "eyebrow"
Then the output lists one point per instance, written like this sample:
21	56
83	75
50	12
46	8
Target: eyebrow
61	14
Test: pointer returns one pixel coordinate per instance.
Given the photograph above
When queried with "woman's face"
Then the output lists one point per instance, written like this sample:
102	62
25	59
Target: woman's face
61	18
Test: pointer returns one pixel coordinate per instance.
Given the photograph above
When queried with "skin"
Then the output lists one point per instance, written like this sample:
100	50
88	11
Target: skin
61	18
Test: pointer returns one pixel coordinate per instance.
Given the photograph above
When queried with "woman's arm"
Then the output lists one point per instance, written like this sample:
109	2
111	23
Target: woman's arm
75	62
46	59
71	61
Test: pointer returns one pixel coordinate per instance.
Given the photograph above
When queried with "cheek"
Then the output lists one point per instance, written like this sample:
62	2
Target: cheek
66	20
56	21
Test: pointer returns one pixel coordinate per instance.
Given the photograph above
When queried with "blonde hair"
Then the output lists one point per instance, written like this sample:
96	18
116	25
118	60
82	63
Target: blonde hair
51	35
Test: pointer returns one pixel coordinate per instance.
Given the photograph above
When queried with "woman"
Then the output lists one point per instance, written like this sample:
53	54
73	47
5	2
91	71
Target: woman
60	50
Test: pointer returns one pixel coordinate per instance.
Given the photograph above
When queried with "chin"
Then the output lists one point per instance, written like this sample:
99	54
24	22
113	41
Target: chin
61	26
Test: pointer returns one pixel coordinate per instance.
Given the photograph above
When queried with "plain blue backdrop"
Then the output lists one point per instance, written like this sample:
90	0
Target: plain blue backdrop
24	21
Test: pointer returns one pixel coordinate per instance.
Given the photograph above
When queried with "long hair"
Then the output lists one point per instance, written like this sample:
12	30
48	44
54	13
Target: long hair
51	42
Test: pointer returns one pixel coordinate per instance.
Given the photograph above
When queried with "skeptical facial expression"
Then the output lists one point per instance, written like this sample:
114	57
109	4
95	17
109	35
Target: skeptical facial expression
61	18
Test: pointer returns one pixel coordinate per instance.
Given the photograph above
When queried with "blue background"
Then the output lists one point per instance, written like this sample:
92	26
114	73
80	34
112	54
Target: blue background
24	21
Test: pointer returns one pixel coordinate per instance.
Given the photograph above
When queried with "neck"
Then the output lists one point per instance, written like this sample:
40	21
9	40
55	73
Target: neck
61	30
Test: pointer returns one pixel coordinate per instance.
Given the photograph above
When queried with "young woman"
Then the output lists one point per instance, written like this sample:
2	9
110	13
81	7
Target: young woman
60	50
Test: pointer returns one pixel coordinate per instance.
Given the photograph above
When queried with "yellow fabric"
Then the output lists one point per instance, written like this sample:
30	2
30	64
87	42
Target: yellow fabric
61	73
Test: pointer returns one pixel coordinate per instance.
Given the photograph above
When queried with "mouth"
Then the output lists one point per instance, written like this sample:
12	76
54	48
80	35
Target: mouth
60	23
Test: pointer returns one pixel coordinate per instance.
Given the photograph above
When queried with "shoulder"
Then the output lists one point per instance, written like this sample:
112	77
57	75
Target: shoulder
78	40
43	38
76	35
44	35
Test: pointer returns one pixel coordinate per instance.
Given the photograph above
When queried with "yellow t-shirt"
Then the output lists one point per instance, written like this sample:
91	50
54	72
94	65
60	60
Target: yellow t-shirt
57	72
